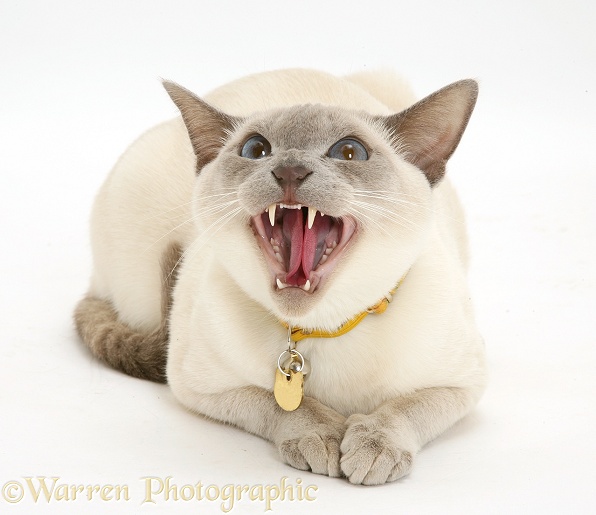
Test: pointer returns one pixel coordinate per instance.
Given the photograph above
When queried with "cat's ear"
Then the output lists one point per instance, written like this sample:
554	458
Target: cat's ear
429	131
207	127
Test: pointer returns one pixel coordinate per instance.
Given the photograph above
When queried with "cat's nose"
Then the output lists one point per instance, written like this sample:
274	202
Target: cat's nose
289	176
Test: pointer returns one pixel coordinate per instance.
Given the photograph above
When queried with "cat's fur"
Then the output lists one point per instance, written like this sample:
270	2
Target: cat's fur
375	395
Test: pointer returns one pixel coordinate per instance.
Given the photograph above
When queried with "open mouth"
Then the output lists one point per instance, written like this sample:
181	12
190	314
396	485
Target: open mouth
301	245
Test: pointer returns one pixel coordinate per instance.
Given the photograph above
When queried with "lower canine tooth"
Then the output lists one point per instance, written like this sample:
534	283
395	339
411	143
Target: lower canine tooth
306	286
281	285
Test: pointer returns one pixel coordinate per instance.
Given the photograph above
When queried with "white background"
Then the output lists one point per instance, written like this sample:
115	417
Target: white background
79	81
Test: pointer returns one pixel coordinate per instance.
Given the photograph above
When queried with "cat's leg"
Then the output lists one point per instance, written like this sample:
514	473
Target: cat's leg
381	446
307	438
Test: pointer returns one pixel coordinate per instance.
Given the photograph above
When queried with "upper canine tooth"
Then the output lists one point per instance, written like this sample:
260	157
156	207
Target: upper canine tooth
312	212
271	210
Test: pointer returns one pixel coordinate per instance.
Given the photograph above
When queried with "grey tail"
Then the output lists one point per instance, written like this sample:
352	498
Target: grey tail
139	354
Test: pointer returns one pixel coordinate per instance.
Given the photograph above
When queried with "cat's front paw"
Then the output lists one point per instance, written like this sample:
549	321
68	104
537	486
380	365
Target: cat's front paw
316	448
372	453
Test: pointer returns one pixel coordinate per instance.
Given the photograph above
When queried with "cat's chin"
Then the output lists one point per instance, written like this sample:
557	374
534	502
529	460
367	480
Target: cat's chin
294	302
301	247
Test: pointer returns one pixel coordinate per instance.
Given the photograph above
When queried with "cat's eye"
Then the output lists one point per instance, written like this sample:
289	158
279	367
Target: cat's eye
348	150
256	147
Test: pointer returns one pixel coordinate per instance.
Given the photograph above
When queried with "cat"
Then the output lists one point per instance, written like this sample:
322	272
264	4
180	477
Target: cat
291	240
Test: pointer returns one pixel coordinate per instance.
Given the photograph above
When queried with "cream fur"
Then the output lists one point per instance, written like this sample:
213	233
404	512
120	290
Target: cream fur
225	334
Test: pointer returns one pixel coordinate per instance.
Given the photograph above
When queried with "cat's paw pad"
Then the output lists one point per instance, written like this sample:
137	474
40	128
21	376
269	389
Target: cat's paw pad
370	456
316	450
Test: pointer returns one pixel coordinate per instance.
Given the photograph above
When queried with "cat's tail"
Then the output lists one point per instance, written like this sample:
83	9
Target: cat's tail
137	353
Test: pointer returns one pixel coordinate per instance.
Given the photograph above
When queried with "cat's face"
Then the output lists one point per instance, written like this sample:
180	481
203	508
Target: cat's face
319	189
314	210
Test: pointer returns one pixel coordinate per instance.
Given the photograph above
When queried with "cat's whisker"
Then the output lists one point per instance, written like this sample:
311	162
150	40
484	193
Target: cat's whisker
210	231
211	209
363	218
378	194
185	204
221	221
390	193
391	198
215	208
388	199
388	214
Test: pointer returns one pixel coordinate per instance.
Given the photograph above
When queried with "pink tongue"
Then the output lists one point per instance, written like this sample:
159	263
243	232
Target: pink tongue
314	238
303	245
294	227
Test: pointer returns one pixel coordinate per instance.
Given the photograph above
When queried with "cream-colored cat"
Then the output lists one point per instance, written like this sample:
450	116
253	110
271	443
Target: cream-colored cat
245	243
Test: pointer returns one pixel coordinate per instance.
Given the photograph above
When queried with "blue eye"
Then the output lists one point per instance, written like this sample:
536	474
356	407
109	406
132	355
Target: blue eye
256	147
348	150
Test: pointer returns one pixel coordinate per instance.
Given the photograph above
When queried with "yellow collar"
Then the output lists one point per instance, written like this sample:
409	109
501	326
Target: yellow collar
299	334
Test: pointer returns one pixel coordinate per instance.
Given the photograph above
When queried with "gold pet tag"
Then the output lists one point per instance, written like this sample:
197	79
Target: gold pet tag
288	391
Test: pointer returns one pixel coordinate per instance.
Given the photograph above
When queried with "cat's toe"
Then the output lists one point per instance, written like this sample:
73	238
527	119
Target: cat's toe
316	450
371	457
292	455
322	453
367	466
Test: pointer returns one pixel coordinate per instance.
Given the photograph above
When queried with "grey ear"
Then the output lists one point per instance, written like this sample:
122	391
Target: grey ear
207	127
430	130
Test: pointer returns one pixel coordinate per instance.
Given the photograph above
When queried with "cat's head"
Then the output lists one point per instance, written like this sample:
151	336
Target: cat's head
317	211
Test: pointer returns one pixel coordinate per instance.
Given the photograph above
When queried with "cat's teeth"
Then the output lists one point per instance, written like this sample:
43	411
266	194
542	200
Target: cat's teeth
291	206
271	210
278	257
323	258
281	285
312	212
328	250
